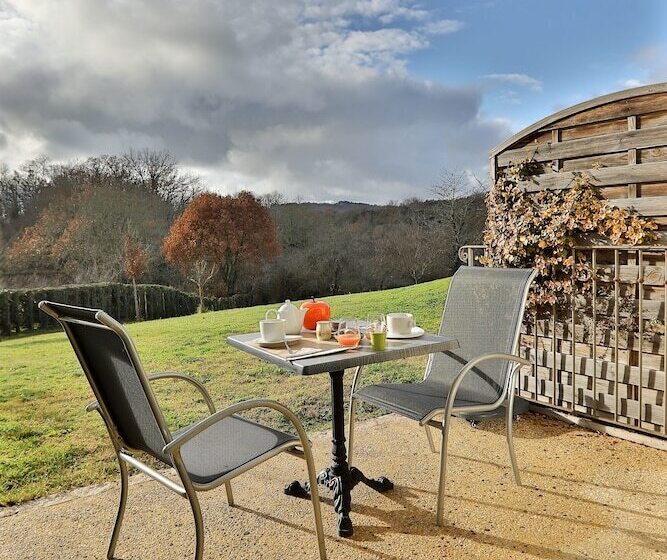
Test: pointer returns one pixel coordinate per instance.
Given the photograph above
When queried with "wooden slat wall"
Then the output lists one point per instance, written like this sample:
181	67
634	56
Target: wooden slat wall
620	140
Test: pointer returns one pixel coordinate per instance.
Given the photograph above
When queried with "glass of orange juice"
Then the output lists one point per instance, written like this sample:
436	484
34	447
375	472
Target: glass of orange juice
349	332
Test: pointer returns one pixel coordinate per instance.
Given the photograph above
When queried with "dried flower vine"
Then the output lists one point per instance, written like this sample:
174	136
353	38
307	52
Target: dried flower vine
539	229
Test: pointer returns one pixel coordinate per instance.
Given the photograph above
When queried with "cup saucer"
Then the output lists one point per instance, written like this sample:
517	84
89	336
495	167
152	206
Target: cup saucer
416	332
276	343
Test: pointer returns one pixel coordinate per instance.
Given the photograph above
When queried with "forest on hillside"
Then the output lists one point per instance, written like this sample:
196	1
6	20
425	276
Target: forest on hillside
95	220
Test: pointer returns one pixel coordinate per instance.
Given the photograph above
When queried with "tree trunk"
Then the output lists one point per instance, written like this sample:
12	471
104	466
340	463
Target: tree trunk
137	312
230	272
200	279
200	288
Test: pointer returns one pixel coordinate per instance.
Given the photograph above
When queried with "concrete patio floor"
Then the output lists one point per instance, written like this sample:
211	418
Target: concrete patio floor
585	495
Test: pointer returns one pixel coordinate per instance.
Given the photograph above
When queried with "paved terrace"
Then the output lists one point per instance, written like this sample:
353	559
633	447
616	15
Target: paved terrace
585	496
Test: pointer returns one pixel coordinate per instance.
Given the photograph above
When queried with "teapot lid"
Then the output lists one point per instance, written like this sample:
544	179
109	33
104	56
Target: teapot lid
287	305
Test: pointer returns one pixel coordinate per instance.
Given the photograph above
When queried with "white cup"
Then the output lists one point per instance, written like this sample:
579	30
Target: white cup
400	323
272	330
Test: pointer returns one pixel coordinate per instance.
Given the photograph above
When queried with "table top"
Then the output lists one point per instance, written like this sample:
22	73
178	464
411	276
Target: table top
360	356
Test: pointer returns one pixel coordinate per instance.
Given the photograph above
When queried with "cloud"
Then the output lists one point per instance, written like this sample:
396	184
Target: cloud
311	98
650	66
442	27
385	11
631	83
522	80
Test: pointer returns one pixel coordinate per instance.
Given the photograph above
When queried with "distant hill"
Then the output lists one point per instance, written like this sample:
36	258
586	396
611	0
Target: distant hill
340	206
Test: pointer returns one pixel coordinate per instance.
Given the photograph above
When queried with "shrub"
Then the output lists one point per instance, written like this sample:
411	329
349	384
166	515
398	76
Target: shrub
19	311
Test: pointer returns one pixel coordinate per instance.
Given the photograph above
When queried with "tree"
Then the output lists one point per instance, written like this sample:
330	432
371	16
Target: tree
135	261
296	223
66	223
18	192
72	241
414	246
463	211
221	234
158	172
273	198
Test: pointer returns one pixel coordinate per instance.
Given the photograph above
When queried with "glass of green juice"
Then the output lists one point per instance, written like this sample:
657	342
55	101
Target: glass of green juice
377	331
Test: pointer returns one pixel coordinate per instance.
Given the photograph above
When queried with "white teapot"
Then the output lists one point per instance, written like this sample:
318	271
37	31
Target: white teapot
293	317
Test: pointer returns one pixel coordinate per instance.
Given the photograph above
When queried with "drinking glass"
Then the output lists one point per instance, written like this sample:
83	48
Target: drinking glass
349	332
376	331
375	322
323	330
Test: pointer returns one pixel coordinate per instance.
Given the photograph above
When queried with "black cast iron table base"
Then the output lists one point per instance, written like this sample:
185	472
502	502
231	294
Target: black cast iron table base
339	478
326	478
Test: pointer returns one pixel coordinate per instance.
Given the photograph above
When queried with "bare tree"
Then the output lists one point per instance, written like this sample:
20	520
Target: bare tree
135	260
18	192
273	199
296	224
417	248
159	172
462	210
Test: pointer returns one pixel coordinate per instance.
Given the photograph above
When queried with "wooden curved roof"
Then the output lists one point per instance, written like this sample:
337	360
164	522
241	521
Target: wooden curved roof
619	140
580	108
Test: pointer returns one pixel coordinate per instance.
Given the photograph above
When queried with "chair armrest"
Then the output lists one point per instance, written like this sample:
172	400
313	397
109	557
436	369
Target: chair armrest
197	384
175	444
484	358
451	396
495	356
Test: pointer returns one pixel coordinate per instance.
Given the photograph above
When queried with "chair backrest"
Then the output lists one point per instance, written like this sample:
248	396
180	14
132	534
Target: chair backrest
111	364
484	310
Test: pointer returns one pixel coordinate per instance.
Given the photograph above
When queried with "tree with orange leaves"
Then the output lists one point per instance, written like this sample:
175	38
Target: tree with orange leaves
221	234
135	260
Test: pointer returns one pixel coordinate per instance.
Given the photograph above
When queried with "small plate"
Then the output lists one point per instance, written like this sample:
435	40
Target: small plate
416	333
288	338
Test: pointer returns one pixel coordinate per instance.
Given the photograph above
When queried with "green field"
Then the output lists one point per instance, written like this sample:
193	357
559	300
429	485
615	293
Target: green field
49	444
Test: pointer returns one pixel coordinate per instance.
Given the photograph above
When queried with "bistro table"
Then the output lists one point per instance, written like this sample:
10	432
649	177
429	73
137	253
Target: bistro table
339	478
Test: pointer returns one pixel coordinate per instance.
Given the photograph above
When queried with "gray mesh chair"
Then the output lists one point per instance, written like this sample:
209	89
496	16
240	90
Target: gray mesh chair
205	455
484	310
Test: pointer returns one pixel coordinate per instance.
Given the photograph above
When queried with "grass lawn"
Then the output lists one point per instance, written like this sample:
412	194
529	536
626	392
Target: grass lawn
49	444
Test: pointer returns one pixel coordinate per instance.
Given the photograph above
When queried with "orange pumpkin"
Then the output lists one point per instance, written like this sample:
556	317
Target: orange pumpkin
317	311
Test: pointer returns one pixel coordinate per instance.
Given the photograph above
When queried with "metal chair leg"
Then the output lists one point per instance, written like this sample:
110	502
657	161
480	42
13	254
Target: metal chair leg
315	498
429	437
510	440
439	515
350	430
230	495
121	509
199	525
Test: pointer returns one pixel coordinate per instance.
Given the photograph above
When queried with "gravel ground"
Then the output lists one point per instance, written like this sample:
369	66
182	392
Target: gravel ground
585	495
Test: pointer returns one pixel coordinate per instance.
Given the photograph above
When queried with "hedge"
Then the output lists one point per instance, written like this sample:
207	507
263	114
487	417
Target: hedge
19	311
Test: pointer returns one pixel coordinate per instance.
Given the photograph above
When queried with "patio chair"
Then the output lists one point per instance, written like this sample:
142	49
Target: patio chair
484	311
205	455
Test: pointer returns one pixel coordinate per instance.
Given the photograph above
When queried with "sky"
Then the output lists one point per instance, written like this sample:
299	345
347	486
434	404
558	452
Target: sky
322	100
